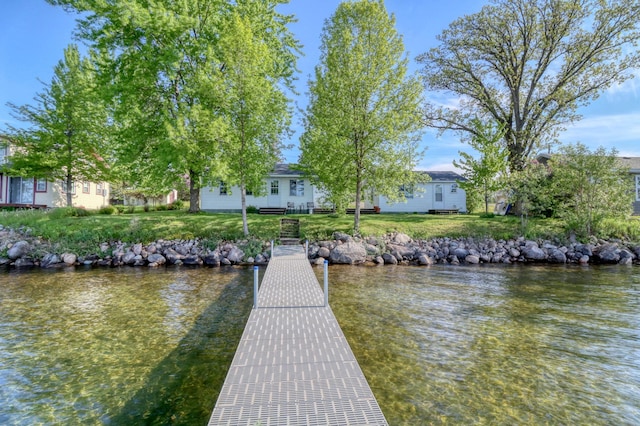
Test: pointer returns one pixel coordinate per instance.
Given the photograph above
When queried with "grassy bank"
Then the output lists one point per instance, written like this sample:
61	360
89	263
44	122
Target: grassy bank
83	234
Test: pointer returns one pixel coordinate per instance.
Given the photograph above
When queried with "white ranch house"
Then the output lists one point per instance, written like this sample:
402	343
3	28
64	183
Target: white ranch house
441	193
288	188
285	188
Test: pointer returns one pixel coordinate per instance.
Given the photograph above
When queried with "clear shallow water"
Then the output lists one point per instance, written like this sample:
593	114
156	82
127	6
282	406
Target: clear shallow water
522	345
118	347
439	345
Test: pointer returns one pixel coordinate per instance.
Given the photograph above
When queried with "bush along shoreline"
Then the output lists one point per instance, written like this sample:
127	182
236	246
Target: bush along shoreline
19	250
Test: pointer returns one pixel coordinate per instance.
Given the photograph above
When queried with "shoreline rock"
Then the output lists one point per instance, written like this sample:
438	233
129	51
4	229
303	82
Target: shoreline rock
23	251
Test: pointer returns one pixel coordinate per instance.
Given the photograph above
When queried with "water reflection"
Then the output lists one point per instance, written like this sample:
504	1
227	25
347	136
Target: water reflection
117	346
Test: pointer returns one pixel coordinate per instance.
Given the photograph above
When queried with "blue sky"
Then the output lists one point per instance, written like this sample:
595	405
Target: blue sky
33	35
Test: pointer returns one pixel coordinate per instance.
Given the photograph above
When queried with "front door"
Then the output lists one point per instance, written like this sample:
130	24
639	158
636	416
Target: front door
438	197
273	196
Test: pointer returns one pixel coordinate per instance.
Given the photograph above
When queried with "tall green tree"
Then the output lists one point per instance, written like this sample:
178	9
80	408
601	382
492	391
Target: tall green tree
590	187
169	78
529	64
66	137
164	75
483	173
255	106
362	124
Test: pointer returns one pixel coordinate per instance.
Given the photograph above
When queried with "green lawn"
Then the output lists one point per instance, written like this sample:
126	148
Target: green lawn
88	231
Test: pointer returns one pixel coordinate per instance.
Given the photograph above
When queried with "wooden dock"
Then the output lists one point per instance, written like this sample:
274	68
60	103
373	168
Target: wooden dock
293	365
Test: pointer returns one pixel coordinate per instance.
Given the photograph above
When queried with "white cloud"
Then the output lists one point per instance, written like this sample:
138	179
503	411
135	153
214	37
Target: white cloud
626	88
606	130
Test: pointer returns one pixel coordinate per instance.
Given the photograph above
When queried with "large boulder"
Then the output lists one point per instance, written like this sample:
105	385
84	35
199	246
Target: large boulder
557	256
49	259
19	249
461	253
69	258
402	252
324	252
389	259
472	259
172	256
156	259
533	252
349	253
341	236
235	255
129	258
24	262
608	253
401	238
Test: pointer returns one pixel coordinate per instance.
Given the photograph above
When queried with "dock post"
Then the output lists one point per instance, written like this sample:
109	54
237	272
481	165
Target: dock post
255	287
326	283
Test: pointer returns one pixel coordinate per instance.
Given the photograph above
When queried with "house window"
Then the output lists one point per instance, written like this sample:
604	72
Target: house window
223	188
86	186
72	189
248	191
296	188
454	188
637	187
438	193
275	187
99	189
3	154
407	191
41	185
21	190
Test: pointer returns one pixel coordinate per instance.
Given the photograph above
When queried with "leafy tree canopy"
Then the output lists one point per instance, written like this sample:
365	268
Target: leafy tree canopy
362	125
66	137
529	64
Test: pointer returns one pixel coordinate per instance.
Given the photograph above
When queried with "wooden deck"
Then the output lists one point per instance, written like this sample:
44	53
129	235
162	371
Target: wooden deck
293	365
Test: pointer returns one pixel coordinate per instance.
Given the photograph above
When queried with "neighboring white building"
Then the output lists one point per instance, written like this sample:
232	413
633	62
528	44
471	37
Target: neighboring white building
285	188
20	191
441	193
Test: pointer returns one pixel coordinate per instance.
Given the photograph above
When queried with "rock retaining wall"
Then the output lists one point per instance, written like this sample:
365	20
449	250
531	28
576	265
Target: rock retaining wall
19	250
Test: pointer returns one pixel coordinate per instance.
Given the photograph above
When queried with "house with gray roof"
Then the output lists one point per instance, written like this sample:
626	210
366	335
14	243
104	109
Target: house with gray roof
286	187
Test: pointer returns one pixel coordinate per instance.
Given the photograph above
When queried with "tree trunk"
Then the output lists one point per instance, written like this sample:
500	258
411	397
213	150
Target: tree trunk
194	192
356	215
243	197
69	190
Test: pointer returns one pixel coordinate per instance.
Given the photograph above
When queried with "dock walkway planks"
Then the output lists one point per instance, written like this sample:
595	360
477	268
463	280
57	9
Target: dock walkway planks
293	365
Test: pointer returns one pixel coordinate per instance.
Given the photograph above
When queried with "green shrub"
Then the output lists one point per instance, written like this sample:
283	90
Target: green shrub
146	208
176	205
487	215
162	208
61	212
120	208
252	209
107	210
130	209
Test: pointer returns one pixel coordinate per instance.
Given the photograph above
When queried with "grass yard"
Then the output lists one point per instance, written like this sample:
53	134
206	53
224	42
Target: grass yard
86	232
